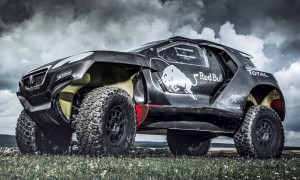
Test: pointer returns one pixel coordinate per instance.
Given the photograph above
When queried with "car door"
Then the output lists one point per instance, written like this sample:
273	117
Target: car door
187	71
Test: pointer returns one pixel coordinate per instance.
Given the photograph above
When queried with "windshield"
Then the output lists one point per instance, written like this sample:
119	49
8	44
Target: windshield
144	46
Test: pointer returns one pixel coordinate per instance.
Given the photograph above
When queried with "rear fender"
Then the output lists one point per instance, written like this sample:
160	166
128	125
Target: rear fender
269	96
249	86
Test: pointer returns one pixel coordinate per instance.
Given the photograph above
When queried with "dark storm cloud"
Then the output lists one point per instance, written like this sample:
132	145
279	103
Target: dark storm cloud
261	18
179	13
280	14
294	121
106	11
249	17
12	12
8	83
247	13
34	19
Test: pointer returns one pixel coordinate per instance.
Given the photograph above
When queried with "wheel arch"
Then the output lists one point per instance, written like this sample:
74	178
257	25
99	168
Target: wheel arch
99	74
267	95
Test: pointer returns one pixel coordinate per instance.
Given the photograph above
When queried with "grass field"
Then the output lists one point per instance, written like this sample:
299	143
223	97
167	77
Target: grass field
146	165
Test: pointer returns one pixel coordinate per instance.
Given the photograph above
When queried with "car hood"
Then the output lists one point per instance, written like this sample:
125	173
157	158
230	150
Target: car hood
130	58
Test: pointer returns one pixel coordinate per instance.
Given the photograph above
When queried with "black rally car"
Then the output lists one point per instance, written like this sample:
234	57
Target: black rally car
193	90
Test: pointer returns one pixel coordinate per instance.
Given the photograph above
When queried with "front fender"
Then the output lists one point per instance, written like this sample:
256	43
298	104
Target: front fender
68	74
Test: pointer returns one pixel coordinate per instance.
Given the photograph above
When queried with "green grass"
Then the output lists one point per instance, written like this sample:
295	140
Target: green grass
142	167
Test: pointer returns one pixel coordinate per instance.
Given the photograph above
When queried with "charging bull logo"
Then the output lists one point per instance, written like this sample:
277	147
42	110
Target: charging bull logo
177	82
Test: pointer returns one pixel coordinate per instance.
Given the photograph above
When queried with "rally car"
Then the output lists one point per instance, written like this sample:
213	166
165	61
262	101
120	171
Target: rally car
191	89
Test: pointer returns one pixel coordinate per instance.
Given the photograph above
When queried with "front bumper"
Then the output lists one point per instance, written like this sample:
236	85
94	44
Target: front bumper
41	103
27	106
44	108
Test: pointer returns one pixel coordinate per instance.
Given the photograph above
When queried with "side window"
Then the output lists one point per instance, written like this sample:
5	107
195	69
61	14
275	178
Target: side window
224	60
184	53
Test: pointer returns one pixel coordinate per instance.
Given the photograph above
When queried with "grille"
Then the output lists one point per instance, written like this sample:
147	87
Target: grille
35	78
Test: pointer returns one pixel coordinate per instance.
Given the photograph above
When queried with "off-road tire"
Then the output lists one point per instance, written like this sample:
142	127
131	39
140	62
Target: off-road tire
33	140
26	134
94	132
261	135
181	143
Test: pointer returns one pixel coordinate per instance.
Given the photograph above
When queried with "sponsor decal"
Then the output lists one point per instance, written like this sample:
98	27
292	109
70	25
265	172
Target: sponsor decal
236	99
176	81
209	77
257	73
185	53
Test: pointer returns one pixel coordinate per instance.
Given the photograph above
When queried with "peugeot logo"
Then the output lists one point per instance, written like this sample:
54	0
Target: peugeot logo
31	80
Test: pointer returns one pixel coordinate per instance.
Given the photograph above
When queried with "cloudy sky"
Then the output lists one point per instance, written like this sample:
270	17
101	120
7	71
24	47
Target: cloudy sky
33	32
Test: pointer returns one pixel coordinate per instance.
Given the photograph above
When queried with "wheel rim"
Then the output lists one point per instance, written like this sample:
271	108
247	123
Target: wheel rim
115	125
265	133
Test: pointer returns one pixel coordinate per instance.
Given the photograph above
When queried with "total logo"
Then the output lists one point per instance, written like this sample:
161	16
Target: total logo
257	73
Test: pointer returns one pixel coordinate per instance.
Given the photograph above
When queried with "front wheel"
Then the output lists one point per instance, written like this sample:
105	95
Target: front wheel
107	123
31	139
261	135
182	143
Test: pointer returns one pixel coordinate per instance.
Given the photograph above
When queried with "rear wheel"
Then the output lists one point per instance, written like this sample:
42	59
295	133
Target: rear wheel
182	143
33	140
107	123
261	135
